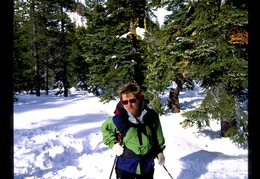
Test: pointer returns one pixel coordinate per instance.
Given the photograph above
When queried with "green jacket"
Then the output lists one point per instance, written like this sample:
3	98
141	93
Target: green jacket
143	137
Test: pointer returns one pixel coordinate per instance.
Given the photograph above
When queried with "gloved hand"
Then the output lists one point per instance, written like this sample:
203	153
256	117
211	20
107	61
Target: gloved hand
161	159
118	149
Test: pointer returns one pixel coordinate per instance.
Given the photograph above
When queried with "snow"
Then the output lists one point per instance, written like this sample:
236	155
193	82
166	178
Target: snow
161	13
57	137
139	32
80	21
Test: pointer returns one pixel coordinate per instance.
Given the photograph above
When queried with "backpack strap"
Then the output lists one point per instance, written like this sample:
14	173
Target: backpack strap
123	124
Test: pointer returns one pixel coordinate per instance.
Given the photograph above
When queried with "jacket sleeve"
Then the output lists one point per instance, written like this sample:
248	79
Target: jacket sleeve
160	137
109	132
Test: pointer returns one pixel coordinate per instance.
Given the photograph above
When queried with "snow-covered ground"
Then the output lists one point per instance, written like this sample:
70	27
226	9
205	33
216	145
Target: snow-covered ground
57	137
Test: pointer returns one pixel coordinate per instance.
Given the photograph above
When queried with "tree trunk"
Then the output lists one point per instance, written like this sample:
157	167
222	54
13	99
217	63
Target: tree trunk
35	53
37	76
65	78
138	76
46	81
173	99
225	126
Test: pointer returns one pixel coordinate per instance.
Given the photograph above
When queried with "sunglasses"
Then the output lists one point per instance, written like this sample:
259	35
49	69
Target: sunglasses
125	102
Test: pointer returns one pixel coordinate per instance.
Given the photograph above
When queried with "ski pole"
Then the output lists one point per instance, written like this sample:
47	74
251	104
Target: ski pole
113	167
120	142
167	171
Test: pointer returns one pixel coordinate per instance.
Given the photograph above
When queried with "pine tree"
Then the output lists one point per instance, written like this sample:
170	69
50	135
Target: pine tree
112	48
79	67
204	40
38	37
166	65
23	75
215	37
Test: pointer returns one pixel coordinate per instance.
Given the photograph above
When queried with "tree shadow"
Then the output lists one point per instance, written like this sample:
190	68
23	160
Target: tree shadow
189	104
196	164
210	133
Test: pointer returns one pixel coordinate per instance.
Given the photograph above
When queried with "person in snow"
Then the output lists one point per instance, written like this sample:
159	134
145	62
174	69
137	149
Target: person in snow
135	135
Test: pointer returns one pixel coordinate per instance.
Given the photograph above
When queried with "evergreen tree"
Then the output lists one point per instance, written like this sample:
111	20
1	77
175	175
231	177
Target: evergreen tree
40	45
79	68
23	75
207	40
224	70
112	48
166	65
64	5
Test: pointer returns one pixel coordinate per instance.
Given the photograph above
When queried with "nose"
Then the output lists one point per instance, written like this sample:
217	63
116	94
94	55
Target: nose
129	104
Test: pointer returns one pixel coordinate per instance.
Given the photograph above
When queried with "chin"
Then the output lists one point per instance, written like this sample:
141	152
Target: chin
132	112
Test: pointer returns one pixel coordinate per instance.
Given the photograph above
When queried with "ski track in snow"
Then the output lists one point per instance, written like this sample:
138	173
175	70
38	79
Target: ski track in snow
57	137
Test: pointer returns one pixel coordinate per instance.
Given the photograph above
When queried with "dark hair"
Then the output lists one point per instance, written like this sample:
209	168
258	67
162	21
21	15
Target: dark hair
130	88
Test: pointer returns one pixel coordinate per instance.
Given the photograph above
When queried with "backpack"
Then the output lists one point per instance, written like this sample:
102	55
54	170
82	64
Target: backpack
123	124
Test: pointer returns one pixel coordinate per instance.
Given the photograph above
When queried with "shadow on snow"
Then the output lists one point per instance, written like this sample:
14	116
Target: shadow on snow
196	164
23	138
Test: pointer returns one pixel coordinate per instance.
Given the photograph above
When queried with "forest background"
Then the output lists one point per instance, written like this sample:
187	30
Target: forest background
204	41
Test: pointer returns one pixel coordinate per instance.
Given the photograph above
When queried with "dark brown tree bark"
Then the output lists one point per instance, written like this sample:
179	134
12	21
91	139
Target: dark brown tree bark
35	52
46	81
173	99
226	125
63	45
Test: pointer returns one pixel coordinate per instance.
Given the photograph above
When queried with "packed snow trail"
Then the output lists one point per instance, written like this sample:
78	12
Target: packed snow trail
57	137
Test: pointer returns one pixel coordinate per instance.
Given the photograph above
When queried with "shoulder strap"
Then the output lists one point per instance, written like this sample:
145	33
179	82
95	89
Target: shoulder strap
151	117
119	124
123	124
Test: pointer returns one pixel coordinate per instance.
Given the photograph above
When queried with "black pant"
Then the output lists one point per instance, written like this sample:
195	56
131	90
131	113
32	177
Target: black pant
121	174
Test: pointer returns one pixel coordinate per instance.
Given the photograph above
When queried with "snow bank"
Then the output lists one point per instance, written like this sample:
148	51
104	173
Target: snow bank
57	137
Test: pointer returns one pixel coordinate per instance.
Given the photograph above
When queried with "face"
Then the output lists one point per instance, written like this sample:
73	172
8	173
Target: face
133	108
